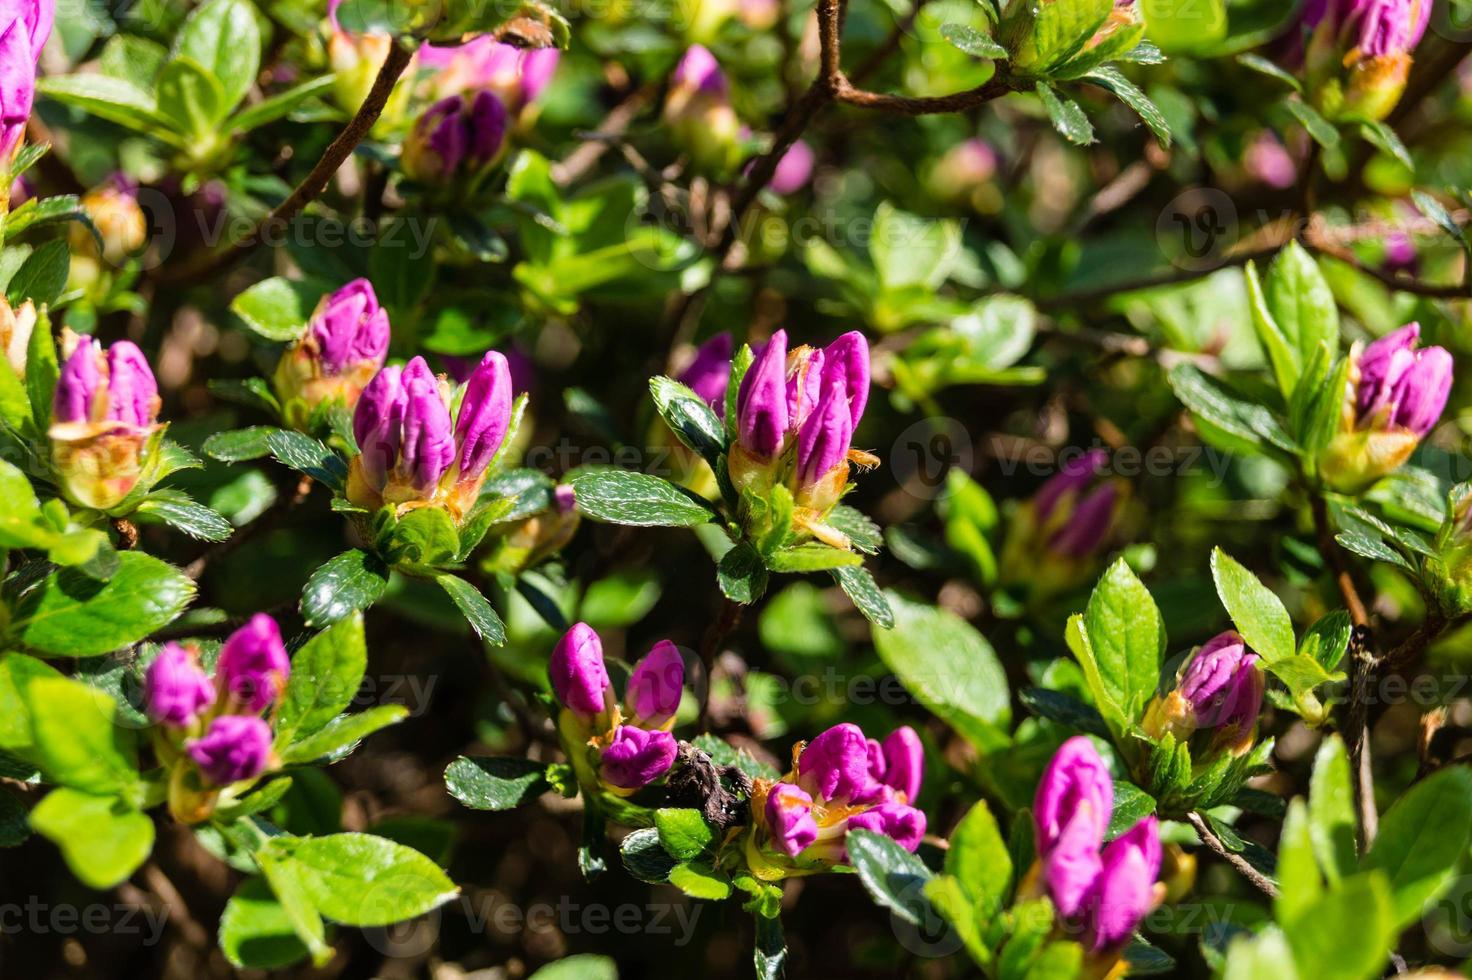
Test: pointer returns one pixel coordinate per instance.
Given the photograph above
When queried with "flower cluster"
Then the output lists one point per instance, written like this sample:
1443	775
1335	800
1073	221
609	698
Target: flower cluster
1102	890
1220	689
840	781
1359	53
624	746
414	450
699	113
796	416
341	349
516	76
1395	396
103	418
216	722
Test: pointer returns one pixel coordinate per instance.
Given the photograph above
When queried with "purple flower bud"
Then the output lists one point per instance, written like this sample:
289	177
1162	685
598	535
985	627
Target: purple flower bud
578	676
78	384
789	814
350	329
236	747
653	695
794	170
175	690
1074	475
253	665
1125	892
904	762
710	372
847	360
1088	526
564	498
761	403
637	757
1401	386
835	767
1070	866
1387	27
485	415
23	33
458	135
904	824
132	393
1223	684
428	446
824	439
1075	787
378	425
699	70
537	68
36	18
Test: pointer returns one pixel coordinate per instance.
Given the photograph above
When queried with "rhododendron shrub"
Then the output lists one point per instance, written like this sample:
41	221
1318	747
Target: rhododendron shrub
731	487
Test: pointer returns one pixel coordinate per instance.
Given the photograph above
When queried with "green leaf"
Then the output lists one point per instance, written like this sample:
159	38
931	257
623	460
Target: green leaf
1346	932
343	732
1130	95
307	455
1067	117
1302	304
973	42
476	609
238	445
362	880
645	857
769	955
945	663
351	582
71	614
222	36
701	881
861	532
1177	26
812	557
1331	814
495	782
683	832
864	593
16	672
978	858
41	278
1063	28
112	99
1422	840
286	884
1270	68
1127	637
1257	613
1321	129
278	309
102	838
690	418
892	876
639	499
908	250
1385	139
1065	710
191	100
256	933
79	739
582	966
1131	805
325	675
281	104
1299	880
175	509
1247	427
425	537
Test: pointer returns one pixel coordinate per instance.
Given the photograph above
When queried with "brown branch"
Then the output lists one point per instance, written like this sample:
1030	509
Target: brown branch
1260	880
313	184
1402	284
927	106
616	123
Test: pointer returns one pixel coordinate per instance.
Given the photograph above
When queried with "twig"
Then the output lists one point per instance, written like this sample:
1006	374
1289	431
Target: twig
887	47
710	645
284	504
1087	297
581	160
1400	283
1261	881
1334	558
332	158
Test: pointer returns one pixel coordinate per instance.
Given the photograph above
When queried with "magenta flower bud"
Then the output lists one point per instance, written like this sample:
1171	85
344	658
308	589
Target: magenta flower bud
132	392
699	70
789	815
1387	27
564	498
1125	891
835	767
710	372
904	762
1223	685
578	676
537	68
35	18
78	384
175	690
823	442
428	445
461	135
903	824
378	422
1088	526
846	360
637	757
253	665
236	747
653	695
1401	386
23	32
349	329
1071	865
761	402
485	415
1074	475
1075	787
794	170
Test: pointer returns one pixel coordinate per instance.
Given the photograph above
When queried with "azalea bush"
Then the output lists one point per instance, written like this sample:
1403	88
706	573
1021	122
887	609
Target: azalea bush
735	487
